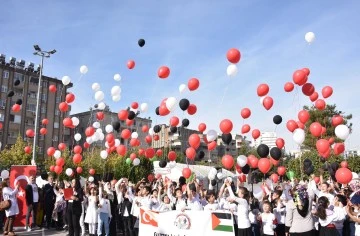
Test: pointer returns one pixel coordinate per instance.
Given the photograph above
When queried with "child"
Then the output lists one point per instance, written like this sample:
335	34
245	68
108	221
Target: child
268	220
104	212
91	216
212	205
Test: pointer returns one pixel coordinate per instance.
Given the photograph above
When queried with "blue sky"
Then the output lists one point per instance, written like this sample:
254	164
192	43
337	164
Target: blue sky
192	38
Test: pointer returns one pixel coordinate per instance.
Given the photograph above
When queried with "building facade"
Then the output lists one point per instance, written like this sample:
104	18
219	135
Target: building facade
268	138
19	84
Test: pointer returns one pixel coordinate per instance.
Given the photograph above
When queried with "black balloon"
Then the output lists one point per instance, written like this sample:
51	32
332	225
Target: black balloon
263	150
157	111
162	163
226	138
277	120
185	122
116	125
10	93
322	159
201	155
307	162
213	182
184	104
131	115
157	128
19	101
275	153
334	166
173	129
309	170
44	176
245	169
182	180
17	82
96	105
141	42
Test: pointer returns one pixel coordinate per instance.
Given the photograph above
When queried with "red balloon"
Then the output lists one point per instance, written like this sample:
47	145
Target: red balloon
226	126
67	122
211	145
79	170
190	153
30	133
315	129
326	91
77	158
253	161
320	104
145	128
156	137
274	162
89	131
91	171
289	87
317	179
174	121
141	152
125	134
100	115
274	177
194	141
70	97
245	113
133	142
172	156
193	84
337	120
255	133
163	110
308	89
202	127
43	131
110	138
280	143
148	139
323	130
134	105
186	172
262	90
192	109
268	102
339	148
163	72
58	169
314	96
130	64
233	55
245	129
121	150
77	149
291	125
325	154
123	115
344	164
303	116
227	161
16	108
45	121
149	153
281	170
264	165
343	175
300	77
86	145
322	145
300	125
60	162
129	122
52	88
331	140
306	70
50	151
242	178
52	168
63	107
27	150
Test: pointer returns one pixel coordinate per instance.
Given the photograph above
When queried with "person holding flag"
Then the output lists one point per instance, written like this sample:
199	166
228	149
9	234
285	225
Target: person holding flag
10	194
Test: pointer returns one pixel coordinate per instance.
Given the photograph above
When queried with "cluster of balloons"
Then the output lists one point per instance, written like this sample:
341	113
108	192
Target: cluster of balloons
233	56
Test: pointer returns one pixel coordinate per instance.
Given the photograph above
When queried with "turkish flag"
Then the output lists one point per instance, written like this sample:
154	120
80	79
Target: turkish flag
21	174
148	217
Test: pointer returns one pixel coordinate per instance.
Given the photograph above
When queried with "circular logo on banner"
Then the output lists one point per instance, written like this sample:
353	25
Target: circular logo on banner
182	221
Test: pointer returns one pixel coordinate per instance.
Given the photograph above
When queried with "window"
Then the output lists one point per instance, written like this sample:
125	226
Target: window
1	117
32	95
4	89
30	122
56	125
58	99
17	119
45	84
2	103
43	97
43	110
31	107
57	112
59	87
12	135
41	149
34	80
18	76
55	138
5	74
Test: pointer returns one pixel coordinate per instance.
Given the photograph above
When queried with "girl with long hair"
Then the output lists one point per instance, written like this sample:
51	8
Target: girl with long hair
327	218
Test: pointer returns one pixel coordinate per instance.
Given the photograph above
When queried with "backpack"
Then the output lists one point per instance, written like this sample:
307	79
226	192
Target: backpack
5	205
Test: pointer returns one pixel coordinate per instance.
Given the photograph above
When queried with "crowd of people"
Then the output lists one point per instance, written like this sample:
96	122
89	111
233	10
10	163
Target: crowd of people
106	208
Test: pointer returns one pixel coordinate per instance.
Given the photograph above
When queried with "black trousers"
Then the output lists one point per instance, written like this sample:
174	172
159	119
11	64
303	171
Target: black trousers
128	226
280	230
31	209
49	208
73	221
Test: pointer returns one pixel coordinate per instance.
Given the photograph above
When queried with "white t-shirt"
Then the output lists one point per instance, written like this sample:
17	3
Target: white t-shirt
268	223
211	207
35	193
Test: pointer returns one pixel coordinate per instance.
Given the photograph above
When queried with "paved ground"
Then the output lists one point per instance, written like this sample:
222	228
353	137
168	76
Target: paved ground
43	232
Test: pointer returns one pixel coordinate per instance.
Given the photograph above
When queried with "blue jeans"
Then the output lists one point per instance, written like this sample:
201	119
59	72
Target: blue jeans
255	228
103	219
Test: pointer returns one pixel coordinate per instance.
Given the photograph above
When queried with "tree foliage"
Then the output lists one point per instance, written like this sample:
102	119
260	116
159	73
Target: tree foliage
15	155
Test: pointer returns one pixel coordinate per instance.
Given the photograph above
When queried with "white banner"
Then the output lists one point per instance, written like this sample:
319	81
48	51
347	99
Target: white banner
188	223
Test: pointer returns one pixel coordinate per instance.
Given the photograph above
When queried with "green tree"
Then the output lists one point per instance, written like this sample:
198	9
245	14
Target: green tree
324	118
15	155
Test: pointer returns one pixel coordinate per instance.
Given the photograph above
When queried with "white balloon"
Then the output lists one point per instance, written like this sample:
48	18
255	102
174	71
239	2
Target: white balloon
116	98
96	125
144	107
83	69
213	171
211	176
232	70
342	132
136	161
211	135
91	179
99	96
134	135
151	131
117	142
95	87
5	174
299	136
106	144
171	164
57	154
103	154
69	172
354	175
77	137
109	128
89	140
182	88
309	37
102	136
101	106
220	175
66	80
75	121
99	130
241	160
115	90
117	77
171	103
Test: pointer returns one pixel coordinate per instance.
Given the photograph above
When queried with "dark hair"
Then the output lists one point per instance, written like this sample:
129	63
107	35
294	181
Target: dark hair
278	192
245	192
4	184
342	199
209	194
327	184
323	204
148	189
77	184
268	203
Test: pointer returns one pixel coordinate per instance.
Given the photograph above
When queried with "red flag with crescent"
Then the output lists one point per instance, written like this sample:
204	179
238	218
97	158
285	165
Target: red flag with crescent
21	174
148	217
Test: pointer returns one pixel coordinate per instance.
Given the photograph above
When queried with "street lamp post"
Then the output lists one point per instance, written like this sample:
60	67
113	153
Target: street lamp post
42	54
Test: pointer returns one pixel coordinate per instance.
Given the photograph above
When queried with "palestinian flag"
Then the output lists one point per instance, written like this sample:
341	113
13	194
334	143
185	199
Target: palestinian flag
222	222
